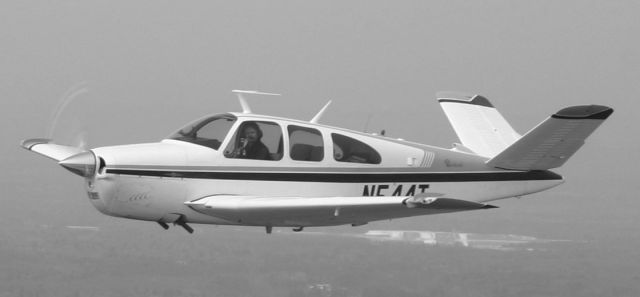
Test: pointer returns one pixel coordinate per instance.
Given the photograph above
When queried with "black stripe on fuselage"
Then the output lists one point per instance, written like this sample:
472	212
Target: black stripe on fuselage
347	177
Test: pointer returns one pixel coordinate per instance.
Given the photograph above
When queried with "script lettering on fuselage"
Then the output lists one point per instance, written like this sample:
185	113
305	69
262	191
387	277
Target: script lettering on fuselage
394	190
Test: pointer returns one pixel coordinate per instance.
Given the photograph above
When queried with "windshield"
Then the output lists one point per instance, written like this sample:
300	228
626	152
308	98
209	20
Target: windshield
209	132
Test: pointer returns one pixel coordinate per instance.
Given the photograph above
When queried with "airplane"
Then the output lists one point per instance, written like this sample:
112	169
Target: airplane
242	168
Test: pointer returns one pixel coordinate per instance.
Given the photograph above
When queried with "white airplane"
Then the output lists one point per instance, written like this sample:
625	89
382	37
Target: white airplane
241	168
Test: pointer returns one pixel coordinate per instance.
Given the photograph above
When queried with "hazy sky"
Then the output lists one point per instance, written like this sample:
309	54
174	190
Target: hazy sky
147	67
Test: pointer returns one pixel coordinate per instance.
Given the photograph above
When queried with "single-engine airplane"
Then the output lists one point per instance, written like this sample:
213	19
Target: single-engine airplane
241	168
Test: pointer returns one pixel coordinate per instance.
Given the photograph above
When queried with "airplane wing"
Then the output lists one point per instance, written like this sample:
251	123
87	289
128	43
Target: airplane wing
49	149
325	211
552	142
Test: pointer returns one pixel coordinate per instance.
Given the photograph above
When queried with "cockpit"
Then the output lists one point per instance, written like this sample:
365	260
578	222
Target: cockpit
265	140
209	132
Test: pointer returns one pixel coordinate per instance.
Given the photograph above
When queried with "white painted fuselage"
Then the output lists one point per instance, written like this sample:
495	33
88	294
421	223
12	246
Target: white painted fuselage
153	181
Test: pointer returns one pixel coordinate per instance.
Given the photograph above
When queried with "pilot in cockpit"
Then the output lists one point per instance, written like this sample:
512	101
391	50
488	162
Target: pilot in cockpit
250	145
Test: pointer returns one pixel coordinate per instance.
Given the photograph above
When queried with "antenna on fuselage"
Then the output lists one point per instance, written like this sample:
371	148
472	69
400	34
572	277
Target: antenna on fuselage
366	124
243	101
320	113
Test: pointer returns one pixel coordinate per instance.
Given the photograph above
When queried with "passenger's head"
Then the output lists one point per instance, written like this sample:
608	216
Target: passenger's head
252	132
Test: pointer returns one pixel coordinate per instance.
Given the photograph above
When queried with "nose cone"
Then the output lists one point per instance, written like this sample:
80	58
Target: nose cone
83	164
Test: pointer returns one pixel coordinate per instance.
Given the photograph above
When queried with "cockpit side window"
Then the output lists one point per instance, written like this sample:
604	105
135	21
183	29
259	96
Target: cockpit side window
209	132
305	144
256	140
347	149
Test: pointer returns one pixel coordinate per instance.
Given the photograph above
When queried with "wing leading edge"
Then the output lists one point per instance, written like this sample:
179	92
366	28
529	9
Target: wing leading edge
325	211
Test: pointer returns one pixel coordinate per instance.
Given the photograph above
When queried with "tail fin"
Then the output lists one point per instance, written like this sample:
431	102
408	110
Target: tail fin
552	142
479	125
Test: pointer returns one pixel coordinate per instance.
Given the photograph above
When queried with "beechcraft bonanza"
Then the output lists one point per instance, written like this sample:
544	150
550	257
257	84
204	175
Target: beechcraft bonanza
241	168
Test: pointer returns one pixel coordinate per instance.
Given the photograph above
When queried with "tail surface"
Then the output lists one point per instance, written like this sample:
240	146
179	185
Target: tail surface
552	142
479	125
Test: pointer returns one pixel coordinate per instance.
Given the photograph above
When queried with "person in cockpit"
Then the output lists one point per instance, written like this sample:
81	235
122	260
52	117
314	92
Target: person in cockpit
250	145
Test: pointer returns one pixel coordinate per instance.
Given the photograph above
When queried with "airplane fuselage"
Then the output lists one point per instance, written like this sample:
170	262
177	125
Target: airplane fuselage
153	181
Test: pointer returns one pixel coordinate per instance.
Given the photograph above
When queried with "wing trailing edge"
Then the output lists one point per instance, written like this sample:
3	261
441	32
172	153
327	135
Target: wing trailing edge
554	141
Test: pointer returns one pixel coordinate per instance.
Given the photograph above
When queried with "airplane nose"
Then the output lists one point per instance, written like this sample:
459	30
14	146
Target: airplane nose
82	164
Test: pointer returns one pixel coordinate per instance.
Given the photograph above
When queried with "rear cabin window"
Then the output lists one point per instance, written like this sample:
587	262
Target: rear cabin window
347	149
305	144
256	140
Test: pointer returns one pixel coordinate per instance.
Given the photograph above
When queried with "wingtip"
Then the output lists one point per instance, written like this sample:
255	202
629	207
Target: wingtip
29	143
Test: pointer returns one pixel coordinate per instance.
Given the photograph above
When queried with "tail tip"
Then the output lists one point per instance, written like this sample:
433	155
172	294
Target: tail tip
592	112
460	97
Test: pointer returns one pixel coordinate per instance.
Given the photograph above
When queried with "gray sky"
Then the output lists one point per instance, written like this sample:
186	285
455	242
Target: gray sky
150	66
